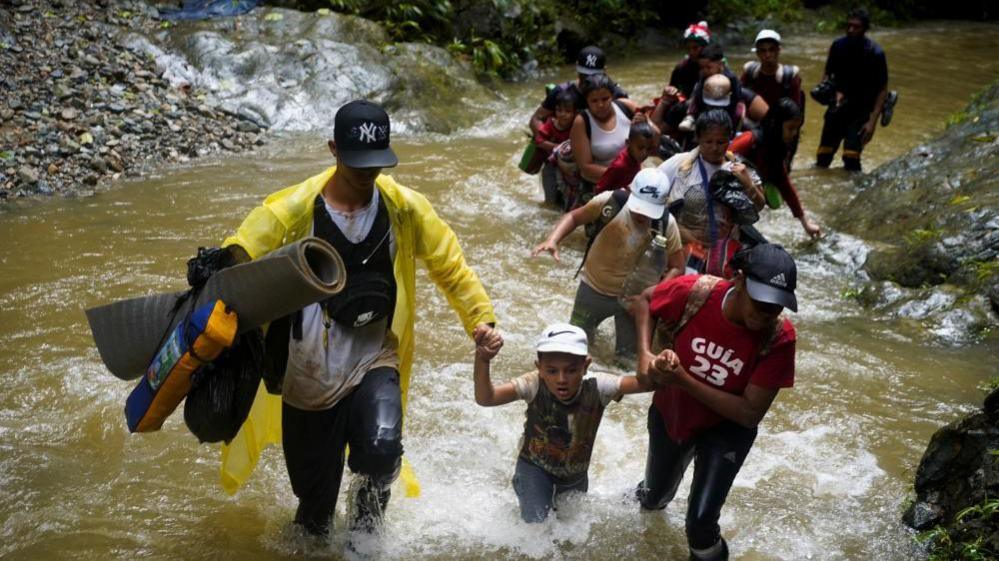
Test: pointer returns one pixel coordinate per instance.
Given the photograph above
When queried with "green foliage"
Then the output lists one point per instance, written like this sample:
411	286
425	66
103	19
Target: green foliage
965	539
432	21
851	293
616	16
486	56
922	236
724	11
511	33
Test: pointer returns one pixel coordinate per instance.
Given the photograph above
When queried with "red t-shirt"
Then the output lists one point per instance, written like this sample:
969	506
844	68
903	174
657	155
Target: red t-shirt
619	173
550	133
716	352
767	87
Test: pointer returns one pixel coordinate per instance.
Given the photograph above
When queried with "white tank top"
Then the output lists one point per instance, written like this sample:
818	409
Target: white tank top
605	145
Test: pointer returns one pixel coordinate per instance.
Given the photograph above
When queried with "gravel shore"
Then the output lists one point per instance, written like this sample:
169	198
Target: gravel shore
78	109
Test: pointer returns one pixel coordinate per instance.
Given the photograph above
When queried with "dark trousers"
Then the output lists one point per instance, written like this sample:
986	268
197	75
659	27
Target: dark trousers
369	419
842	125
718	454
591	308
536	490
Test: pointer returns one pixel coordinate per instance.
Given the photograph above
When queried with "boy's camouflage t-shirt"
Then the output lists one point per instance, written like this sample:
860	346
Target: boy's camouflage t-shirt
558	436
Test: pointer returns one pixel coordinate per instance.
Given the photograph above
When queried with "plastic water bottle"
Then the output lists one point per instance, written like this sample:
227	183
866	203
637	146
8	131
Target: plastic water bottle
647	271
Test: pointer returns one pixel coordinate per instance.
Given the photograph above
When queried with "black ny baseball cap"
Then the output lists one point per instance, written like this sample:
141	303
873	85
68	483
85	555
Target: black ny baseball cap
771	275
591	60
361	132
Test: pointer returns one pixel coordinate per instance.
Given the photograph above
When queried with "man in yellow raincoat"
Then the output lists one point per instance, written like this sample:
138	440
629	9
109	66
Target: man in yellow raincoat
348	359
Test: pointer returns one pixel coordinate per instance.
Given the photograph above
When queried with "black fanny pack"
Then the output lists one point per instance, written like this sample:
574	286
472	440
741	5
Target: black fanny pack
368	297
371	290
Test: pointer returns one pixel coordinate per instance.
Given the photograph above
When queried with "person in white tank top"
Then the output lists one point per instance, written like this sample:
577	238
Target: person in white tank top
606	144
609	126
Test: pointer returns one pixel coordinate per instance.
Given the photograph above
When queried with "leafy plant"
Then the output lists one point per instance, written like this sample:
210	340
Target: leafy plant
965	539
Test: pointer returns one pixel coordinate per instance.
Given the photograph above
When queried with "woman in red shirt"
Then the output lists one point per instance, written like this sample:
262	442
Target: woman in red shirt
732	351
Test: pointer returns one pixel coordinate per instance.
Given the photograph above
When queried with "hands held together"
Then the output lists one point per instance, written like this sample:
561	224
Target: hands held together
488	342
661	369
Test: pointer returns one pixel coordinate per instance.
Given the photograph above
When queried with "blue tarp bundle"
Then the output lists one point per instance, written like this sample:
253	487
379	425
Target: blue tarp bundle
204	9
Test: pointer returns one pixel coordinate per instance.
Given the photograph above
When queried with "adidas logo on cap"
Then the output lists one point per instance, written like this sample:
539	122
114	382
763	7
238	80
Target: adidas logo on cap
779	280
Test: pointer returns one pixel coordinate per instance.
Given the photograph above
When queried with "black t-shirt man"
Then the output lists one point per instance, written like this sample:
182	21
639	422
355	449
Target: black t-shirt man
859	69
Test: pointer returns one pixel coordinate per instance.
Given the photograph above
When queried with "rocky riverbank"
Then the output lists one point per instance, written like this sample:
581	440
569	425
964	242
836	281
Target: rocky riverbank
80	108
935	215
97	90
956	486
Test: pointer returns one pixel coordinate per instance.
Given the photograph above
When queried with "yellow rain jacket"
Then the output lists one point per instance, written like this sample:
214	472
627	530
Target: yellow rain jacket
286	216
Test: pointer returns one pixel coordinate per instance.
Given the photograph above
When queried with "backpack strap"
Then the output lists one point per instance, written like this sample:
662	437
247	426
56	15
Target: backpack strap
698	295
607	213
624	109
752	69
787	74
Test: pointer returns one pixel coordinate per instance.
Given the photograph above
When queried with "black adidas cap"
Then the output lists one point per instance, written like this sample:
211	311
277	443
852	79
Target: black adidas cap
591	60
361	132
771	275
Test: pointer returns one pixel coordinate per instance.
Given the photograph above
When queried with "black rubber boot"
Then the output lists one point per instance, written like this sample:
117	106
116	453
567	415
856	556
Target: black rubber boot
370	502
851	164
717	552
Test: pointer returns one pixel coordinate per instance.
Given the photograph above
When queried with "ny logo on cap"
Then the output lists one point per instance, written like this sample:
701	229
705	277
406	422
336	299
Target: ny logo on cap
779	280
650	190
591	61
371	132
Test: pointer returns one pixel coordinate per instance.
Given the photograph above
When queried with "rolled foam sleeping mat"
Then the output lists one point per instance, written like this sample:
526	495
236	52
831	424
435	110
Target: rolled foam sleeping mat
128	333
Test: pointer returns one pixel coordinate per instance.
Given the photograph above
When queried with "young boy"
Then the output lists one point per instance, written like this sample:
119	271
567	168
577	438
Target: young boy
564	409
639	146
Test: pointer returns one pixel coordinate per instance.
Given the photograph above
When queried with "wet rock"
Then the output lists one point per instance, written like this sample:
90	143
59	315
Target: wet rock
68	114
98	164
27	175
935	213
957	470
247	126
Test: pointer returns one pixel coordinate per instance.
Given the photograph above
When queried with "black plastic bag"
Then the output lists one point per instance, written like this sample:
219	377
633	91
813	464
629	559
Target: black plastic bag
728	190
825	92
668	147
222	392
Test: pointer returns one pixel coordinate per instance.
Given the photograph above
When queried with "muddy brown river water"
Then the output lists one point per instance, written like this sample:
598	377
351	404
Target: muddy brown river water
826	480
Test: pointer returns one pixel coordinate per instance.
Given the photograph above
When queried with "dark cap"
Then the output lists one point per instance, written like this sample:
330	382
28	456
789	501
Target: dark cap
771	275
591	60
361	132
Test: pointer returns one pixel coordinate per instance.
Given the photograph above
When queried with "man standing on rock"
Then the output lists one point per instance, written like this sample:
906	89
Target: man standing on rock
857	68
346	361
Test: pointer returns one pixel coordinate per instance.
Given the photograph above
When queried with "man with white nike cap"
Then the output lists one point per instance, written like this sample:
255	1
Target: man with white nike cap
620	240
730	350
